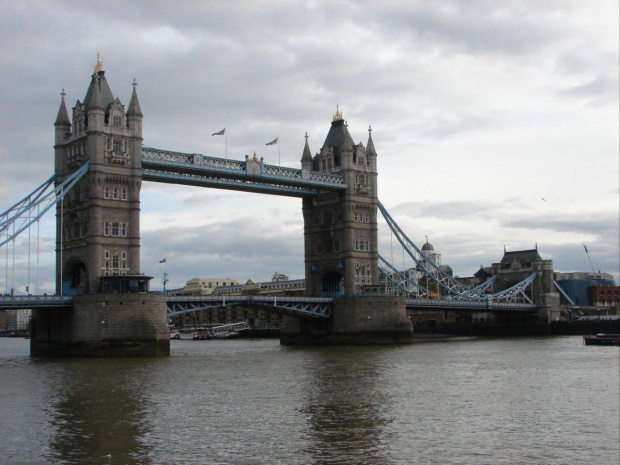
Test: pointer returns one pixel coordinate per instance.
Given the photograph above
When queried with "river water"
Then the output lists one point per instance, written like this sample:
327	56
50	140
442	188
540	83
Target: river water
499	401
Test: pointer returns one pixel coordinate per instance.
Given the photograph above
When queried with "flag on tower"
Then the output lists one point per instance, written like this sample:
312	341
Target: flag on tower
221	133
273	142
162	261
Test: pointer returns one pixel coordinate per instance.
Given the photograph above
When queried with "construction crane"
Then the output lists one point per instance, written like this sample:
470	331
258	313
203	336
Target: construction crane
589	259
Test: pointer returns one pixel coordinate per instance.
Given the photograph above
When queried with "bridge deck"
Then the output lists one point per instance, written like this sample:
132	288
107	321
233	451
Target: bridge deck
35	301
251	175
470	305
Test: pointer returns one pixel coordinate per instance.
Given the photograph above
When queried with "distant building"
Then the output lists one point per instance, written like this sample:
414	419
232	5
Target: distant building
604	296
277	276
203	286
283	287
18	320
577	285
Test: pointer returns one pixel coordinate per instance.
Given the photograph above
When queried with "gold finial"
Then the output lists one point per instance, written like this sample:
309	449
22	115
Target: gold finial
254	158
99	66
338	115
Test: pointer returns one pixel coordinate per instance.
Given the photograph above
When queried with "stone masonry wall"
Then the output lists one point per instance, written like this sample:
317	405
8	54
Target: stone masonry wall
126	317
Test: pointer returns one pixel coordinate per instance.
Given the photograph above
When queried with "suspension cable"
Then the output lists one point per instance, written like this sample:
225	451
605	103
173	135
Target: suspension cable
28	283
38	250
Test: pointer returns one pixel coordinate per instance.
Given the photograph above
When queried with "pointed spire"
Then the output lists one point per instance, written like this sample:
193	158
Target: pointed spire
338	115
306	159
348	143
370	147
63	116
95	100
134	104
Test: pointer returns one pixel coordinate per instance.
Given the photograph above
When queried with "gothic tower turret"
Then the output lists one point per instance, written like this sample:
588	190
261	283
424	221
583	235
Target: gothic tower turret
62	131
340	229
306	159
98	225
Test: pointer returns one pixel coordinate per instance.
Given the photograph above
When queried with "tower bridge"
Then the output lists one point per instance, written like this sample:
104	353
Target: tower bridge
100	163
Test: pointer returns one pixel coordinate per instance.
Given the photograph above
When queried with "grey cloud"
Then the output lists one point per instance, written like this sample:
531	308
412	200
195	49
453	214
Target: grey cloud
239	249
595	224
604	89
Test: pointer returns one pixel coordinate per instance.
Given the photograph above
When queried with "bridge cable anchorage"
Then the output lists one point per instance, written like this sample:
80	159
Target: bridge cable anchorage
21	215
455	289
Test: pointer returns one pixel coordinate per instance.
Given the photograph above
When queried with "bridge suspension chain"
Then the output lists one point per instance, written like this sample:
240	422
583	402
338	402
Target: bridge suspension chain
21	215
400	281
456	289
428	266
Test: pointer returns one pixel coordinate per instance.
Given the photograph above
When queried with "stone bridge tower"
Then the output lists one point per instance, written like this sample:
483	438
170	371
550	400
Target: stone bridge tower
341	251
98	237
98	223
340	228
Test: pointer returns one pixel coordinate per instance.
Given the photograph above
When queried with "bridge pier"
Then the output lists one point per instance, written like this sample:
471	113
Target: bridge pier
103	325
355	320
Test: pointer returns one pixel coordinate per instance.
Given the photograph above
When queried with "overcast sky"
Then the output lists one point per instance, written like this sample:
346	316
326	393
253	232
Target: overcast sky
495	123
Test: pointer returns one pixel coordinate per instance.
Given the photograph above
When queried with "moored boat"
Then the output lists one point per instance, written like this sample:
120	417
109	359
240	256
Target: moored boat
602	340
225	335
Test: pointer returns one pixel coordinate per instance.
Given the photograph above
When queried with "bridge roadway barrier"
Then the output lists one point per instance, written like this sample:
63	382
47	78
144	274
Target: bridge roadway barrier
34	301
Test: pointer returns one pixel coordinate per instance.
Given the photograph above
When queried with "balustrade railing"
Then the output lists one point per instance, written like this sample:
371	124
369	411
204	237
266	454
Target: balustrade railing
223	165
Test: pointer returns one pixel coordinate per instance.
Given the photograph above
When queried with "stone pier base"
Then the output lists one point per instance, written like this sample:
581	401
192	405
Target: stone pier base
103	325
355	320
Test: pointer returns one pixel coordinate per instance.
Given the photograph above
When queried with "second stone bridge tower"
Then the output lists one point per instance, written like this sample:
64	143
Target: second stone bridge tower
341	250
340	228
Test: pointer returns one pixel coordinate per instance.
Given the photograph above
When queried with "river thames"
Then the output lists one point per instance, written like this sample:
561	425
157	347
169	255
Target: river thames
464	401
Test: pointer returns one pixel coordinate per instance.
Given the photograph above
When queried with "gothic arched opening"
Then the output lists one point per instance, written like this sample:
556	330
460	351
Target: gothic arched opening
75	280
333	284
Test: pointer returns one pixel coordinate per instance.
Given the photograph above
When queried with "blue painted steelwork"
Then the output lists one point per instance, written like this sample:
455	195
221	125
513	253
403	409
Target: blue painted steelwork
308	307
454	288
398	279
32	207
420	293
430	268
35	301
517	290
251	175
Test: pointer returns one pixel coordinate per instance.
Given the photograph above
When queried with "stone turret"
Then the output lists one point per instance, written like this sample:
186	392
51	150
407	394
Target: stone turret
306	159
62	130
341	251
98	233
341	228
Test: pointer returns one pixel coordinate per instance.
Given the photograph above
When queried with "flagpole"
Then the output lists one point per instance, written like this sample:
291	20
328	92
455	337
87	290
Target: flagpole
226	147
279	153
